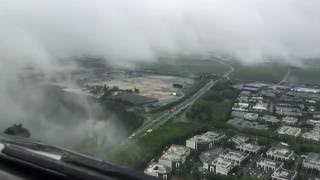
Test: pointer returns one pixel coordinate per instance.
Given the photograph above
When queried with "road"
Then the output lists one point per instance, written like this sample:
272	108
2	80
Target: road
169	114
285	78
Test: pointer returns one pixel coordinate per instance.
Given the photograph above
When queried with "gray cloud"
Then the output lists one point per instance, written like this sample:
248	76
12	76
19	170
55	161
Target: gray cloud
126	29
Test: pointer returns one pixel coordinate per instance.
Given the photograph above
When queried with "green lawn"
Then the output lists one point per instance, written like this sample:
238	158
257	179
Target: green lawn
151	145
266	72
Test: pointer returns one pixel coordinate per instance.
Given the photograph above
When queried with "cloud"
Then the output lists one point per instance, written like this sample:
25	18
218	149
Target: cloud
131	30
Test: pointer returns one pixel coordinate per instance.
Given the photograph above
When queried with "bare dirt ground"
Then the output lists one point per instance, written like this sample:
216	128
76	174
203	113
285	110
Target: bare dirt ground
156	86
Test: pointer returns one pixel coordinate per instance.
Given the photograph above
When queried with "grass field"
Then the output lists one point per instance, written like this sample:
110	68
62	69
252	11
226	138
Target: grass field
151	145
185	67
265	72
306	75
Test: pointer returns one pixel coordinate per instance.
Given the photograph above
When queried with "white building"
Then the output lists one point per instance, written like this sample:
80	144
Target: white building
260	106
158	170
289	130
312	161
251	116
283	174
204	141
175	156
221	166
279	153
234	156
248	148
270	119
313	122
290	120
269	164
314	134
238	139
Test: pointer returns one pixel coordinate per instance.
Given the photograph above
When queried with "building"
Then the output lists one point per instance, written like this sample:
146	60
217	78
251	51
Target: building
260	106
313	122
248	148
221	166
234	156
208	157
251	116
312	161
279	153
175	156
289	131
204	141
238	139
283	174
270	119
290	120
268	164
158	170
314	134
285	110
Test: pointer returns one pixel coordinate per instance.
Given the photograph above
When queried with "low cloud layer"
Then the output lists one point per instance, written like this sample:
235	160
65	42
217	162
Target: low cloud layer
131	30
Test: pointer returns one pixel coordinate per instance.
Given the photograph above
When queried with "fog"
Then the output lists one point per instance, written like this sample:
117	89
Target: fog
38	32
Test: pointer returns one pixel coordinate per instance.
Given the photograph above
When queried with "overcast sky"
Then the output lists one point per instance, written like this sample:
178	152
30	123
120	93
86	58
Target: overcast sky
39	30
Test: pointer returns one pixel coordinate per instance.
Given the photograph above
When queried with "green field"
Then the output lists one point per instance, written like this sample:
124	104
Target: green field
151	145
306	75
264	72
185	66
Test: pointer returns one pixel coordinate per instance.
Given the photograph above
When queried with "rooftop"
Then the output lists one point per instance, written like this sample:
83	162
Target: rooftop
279	151
157	168
249	146
209	156
313	158
175	153
222	163
238	139
314	134
289	130
269	162
284	174
289	119
207	137
234	154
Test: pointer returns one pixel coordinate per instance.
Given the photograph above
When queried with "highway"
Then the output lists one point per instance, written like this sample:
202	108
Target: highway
169	114
285	77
